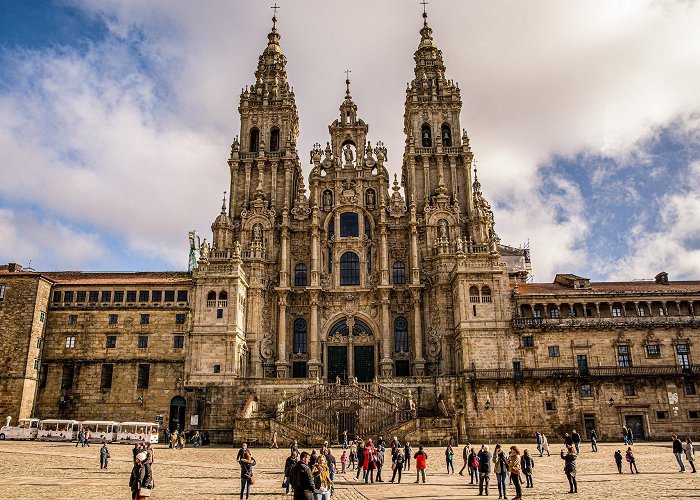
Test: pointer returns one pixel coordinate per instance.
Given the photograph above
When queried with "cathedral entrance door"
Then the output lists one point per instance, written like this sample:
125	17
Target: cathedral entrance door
177	414
364	363
337	363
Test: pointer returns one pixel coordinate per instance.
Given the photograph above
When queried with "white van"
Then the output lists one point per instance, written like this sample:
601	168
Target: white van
101	431
137	432
58	430
26	428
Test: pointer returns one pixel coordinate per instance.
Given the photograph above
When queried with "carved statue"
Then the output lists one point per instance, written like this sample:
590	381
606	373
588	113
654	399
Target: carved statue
327	200
370	198
443	228
257	232
204	250
347	152
460	245
237	249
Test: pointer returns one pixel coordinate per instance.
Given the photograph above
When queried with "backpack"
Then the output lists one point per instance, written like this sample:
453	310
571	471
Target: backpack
399	459
475	462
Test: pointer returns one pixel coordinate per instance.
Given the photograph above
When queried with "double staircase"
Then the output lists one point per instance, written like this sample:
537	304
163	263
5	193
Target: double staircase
323	411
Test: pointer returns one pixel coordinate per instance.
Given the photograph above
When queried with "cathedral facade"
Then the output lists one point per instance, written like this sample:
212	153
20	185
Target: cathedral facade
352	301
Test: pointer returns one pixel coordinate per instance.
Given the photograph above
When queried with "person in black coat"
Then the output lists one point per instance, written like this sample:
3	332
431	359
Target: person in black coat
141	476
484	469
360	458
576	439
302	479
288	466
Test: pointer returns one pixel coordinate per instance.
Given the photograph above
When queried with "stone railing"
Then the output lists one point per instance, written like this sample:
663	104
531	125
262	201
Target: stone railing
580	372
626	321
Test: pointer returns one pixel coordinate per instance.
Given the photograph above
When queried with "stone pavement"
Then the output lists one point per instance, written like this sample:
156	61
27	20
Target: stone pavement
36	470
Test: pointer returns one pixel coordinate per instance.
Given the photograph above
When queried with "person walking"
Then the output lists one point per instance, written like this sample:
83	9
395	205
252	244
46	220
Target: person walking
545	444
247	463
538	436
302	479
360	459
568	440
449	458
343	461
86	439
465	459
570	468
407	450
624	435
368	465
353	455
141	480
678	451
312	458
594	441
618	461
527	463
689	453
322	479
273	441
289	464
630	436
484	457
576	439
399	460
421	458
473	460
81	436
294	448
629	456
514	459
104	456
501	469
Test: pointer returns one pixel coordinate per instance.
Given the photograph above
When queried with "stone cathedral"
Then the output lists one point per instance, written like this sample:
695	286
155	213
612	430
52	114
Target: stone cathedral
354	301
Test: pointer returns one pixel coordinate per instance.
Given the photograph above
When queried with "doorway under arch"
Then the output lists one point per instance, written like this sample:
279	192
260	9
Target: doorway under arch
177	414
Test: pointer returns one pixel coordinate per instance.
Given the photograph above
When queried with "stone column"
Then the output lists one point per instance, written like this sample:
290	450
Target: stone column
651	311
282	364
415	274
248	166
383	256
351	357
273	181
453	176
315	250
314	353
386	363
419	361
597	309
426	178
284	253
287	184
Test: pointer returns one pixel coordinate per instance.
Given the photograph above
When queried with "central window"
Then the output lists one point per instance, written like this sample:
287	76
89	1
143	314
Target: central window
349	269
349	225
300	336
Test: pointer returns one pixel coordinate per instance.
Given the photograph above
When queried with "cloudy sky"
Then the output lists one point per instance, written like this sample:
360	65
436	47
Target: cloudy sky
117	119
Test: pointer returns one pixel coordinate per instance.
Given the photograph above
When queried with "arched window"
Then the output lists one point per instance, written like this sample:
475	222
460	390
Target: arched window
330	261
300	336
349	269
400	334
446	135
399	273
211	295
254	140
223	295
359	328
485	294
275	139
474	294
369	260
331	228
426	136
349	225
300	275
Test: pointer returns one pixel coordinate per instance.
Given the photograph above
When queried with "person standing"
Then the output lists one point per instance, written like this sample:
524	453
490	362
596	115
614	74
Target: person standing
678	451
322	479
360	459
568	440
104	456
449	458
690	453
343	461
166	437
312	458
399	460
379	462
345	439
527	464
81	436
594	440
407	450
332	466
630	436
484	469
538	435
141	478
570	468
500	468
473	460
86	439
421	458
624	435
618	461
288	466
465	459
629	456
302	479
545	444
247	463
353	455
241	451
294	448
576	439
514	470
273	441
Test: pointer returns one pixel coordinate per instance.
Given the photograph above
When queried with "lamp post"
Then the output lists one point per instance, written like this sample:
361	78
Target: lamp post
487	407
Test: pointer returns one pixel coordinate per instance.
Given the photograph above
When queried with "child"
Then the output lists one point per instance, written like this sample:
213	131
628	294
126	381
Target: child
343	461
629	456
618	461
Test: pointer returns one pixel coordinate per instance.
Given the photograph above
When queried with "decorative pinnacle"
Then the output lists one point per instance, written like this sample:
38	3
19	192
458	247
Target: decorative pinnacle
274	15
347	83
223	204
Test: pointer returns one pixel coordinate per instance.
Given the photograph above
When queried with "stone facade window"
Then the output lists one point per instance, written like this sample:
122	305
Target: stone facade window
690	389
143	341
653	350
143	295
111	342
586	391
143	376
57	296
73	319
550	405
178	341
180	319
67	376
254	140
629	389
554	312
217	368
693	414
527	341
299	336
70	341
661	415
80	296
623	356
683	353
446	134
113	318
485	294
170	295
118	296
426	136
219	314
399	273
106	376
616	312
94	296
43	375
300	278
106	296
275	139
553	351
349	225
157	296
131	296
349	269
400	334
145	319
68	296
182	295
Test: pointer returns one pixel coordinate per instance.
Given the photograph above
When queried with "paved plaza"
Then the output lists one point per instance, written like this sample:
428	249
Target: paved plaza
36	470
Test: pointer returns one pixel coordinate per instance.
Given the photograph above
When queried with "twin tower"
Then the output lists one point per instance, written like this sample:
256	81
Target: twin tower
350	278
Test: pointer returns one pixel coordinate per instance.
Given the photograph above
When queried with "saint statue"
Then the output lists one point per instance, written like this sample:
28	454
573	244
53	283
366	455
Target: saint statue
327	199
348	154
443	228
257	232
204	249
370	198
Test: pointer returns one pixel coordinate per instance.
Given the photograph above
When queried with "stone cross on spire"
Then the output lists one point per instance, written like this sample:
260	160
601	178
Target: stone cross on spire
347	83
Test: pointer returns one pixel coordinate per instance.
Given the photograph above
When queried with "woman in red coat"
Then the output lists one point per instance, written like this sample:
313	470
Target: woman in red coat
369	463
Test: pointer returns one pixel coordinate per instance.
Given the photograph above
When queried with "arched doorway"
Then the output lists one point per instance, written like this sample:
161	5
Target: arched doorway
177	414
350	359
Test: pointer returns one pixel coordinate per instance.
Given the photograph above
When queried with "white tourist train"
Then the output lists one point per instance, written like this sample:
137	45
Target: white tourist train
26	428
101	431
54	429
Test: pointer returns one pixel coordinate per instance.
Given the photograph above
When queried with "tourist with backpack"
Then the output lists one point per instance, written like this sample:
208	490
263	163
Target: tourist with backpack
399	460
473	467
629	456
421	458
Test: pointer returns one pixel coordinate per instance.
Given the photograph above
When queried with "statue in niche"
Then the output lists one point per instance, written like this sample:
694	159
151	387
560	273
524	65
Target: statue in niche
347	152
327	200
443	228
257	232
460	245
370	198
204	250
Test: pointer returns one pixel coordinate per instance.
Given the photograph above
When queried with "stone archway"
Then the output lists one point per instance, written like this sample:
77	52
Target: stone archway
177	414
351	351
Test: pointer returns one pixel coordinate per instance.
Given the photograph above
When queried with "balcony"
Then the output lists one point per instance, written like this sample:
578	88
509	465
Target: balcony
626	321
590	372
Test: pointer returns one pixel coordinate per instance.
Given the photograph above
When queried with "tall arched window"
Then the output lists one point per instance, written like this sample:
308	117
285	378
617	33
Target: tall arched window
369	260
400	334
275	139
474	294
300	275
446	135
399	273
331	228
254	140
349	269
426	136
223	295
485	294
300	336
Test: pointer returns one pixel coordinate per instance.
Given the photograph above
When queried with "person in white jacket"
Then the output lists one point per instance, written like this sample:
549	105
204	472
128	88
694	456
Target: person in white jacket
689	453
545	444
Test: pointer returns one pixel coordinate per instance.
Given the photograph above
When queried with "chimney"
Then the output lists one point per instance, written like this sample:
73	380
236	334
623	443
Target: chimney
661	278
13	267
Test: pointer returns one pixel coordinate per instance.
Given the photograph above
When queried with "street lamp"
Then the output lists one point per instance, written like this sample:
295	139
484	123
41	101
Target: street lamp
611	402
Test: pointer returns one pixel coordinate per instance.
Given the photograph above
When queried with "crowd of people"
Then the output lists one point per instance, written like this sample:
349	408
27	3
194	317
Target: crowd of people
312	475
178	440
